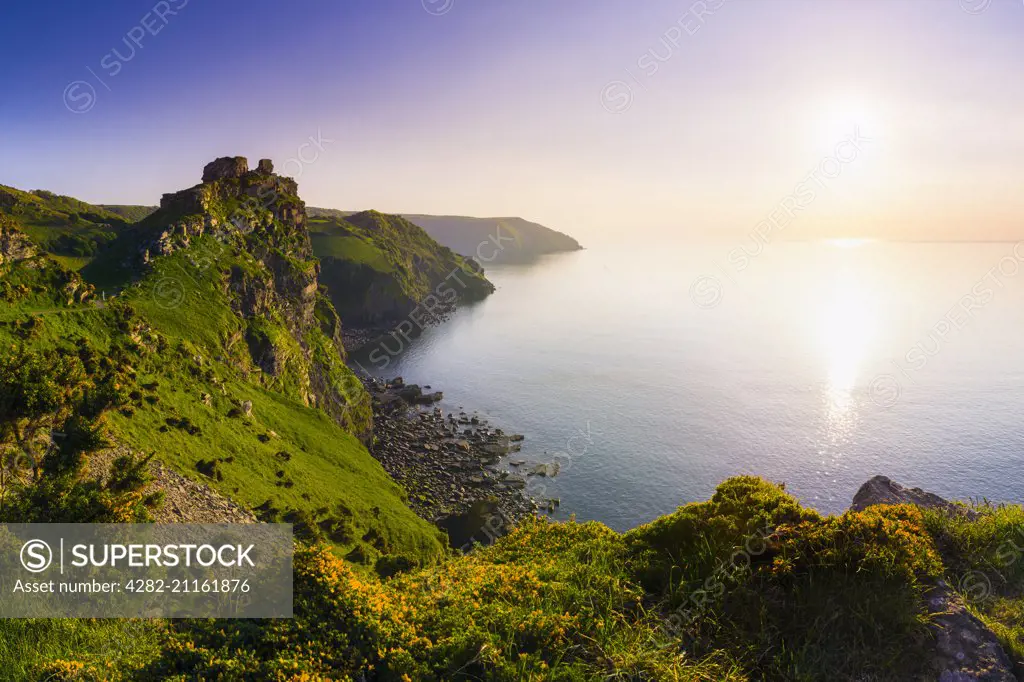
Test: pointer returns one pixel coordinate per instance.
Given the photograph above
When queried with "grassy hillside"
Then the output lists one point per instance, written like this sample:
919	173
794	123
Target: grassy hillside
132	214
219	352
746	586
238	373
378	268
488	240
66	227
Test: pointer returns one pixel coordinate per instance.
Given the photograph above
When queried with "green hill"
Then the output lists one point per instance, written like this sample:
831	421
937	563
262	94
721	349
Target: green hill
132	214
70	229
486	240
378	268
235	356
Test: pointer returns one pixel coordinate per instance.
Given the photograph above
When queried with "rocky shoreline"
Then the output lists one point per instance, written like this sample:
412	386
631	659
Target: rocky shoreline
449	463
361	340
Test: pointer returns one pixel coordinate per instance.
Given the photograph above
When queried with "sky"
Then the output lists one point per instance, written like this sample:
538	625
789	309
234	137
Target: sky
606	119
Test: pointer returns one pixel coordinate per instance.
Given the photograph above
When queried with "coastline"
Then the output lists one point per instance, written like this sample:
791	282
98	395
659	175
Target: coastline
448	463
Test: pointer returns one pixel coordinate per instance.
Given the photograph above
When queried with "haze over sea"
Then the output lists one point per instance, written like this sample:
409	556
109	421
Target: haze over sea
651	374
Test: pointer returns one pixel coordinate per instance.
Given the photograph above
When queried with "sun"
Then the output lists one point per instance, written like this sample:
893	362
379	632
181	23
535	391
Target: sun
839	117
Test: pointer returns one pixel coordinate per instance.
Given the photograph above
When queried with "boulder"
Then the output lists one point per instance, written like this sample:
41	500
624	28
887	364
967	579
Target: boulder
881	490
514	482
546	470
266	167
247	408
225	167
414	395
966	648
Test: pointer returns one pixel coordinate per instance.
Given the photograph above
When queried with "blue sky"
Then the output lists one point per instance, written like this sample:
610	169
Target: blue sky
599	117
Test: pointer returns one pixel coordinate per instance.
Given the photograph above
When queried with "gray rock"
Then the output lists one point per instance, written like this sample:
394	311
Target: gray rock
967	650
549	470
14	245
225	167
515	482
881	490
246	406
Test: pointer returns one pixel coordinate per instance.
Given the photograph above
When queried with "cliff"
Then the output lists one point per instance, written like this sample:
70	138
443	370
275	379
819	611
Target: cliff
485	240
379	268
229	356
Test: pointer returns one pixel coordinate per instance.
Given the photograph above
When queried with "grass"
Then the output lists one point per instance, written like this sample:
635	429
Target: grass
382	266
289	459
746	586
52	648
986	562
350	248
74	263
130	213
63	225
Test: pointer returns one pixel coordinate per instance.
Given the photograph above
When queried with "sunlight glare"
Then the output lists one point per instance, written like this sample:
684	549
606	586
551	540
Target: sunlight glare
846	329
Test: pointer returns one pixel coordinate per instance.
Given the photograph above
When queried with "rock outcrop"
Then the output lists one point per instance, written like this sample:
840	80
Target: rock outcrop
225	167
14	245
881	490
258	224
185	500
966	650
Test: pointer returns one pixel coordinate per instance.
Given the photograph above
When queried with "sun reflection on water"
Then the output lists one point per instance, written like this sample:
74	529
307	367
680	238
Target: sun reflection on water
847	324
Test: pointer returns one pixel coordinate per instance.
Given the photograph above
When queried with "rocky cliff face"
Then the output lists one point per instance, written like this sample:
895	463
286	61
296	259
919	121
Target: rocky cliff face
264	264
24	268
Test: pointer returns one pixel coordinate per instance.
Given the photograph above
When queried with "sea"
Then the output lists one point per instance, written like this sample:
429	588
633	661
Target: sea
651	373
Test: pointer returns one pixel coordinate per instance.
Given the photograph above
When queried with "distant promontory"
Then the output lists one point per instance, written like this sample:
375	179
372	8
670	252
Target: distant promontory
486	240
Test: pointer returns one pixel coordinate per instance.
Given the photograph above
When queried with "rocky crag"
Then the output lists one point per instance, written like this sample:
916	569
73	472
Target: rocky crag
234	367
14	245
292	331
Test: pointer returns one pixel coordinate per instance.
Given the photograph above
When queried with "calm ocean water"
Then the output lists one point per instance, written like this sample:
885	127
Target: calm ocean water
652	375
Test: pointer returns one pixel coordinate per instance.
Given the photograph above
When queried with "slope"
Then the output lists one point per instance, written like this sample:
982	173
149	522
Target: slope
378	268
238	370
68	228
